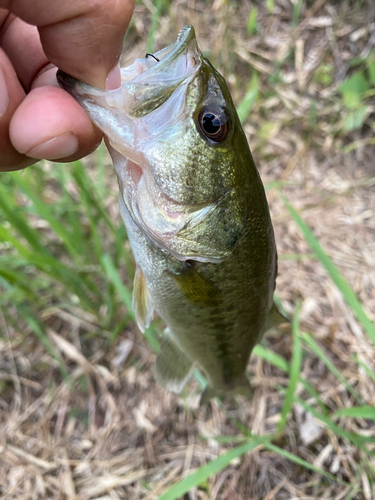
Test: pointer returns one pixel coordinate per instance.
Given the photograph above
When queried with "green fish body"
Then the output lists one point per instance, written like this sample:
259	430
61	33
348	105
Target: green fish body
195	212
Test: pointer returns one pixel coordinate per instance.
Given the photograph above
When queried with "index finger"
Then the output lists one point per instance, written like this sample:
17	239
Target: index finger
82	37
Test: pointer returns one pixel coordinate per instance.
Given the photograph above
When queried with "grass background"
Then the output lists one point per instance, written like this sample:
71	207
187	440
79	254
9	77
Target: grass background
80	413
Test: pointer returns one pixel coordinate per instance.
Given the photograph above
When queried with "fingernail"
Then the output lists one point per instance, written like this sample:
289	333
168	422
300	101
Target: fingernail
4	96
59	147
113	79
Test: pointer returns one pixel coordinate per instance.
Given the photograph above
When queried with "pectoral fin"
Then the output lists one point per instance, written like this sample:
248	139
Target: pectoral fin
143	304
173	367
276	318
195	288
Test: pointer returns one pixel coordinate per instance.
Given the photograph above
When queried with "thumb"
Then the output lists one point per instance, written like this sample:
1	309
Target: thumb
82	37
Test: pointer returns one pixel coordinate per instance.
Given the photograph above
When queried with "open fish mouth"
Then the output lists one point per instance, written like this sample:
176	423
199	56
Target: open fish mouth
153	79
148	82
125	115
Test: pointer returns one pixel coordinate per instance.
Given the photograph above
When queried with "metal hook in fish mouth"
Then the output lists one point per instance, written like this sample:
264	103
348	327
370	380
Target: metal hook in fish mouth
152	55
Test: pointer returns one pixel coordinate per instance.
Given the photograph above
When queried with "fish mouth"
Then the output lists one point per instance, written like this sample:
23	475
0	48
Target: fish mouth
166	61
147	83
125	115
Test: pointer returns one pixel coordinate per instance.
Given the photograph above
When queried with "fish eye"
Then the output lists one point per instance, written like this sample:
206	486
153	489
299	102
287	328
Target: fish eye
214	123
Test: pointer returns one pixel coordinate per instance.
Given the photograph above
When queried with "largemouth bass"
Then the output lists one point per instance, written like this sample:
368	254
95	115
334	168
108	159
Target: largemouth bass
195	212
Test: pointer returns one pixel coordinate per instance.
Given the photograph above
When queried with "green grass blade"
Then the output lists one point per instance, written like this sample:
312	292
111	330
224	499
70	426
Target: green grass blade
230	439
245	106
38	329
271	357
94	194
113	275
335	274
18	221
44	211
19	280
203	473
252	21
91	205
95	210
69	206
85	290
368	370
100	184
296	12
294	373
357	412
154	24
92	197
120	327
270	6
200	379
45	262
5	235
307	338
92	200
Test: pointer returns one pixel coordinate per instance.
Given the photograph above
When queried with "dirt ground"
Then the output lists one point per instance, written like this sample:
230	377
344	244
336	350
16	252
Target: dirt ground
117	435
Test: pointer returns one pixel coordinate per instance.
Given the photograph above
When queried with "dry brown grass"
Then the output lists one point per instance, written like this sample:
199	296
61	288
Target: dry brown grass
116	434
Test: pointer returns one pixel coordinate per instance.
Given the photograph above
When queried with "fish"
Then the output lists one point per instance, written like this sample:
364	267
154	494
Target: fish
195	212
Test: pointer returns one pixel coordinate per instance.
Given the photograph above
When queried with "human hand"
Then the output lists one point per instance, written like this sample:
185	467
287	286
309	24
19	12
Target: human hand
82	37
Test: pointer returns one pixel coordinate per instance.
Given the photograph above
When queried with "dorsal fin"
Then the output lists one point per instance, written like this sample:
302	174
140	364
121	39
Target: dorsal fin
143	304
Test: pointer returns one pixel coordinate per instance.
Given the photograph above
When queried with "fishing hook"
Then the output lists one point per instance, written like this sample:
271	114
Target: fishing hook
152	55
